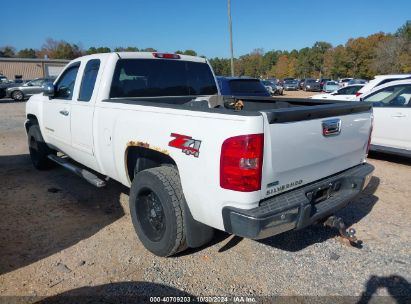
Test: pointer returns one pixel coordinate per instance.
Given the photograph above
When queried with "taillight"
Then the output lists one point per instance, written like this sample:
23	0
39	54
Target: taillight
241	163
358	94
369	137
166	55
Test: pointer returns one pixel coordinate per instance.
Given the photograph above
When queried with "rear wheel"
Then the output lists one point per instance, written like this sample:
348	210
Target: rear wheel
17	95
38	149
156	209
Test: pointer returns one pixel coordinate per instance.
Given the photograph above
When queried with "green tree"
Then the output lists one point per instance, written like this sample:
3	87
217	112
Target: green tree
7	51
149	50
102	49
60	49
221	66
186	52
127	49
27	53
304	68
316	57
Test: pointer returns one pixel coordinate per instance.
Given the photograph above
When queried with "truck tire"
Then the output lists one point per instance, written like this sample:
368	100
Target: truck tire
157	210
39	149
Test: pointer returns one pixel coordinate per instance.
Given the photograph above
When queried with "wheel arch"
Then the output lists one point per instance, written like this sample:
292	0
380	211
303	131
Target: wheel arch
31	120
138	158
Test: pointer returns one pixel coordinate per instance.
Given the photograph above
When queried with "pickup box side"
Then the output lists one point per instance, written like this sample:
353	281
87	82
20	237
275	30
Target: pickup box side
124	125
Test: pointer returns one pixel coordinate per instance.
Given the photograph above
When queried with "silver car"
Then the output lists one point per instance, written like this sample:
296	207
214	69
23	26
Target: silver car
19	93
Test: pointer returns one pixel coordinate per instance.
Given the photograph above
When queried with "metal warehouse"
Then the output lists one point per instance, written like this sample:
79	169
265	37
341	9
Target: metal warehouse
24	68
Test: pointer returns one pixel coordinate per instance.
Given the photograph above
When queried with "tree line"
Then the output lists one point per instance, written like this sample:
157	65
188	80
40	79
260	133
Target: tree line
60	49
363	57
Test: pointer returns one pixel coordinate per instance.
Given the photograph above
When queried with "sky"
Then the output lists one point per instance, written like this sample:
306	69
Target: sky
201	25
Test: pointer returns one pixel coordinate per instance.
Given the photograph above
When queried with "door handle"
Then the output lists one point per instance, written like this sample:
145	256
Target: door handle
64	112
398	115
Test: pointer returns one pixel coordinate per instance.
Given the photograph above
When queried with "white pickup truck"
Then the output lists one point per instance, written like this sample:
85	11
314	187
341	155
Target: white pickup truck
195	160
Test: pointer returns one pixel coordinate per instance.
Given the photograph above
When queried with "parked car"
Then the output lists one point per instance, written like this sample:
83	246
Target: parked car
344	81
3	79
357	81
301	84
312	85
345	93
323	81
291	85
380	80
331	86
241	86
392	117
4	84
273	87
19	93
155	123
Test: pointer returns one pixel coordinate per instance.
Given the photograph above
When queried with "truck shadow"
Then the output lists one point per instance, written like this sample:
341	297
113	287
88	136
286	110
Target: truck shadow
120	292
297	240
44	212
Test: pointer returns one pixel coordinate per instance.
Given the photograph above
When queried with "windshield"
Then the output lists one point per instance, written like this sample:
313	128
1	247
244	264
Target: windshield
244	86
158	77
332	83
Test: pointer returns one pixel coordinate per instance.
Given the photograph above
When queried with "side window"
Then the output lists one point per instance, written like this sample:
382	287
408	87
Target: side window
395	96
65	85
35	83
342	91
89	79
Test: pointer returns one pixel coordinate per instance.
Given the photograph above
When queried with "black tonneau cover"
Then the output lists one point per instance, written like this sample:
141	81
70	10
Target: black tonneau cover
278	110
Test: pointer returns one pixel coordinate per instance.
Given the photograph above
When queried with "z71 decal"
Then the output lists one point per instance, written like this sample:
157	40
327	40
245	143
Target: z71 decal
187	144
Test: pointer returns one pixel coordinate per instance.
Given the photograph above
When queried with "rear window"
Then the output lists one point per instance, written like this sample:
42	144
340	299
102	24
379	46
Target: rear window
244	86
161	77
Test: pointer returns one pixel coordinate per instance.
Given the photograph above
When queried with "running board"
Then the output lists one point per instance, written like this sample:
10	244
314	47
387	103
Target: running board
87	175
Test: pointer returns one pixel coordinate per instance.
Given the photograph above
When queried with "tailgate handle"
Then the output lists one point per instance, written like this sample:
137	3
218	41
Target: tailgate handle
331	127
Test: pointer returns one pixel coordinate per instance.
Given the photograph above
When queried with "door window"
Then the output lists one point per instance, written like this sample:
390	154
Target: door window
89	80
395	96
65	85
36	83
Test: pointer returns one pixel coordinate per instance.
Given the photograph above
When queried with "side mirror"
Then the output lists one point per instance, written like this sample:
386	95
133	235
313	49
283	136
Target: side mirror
63	92
48	90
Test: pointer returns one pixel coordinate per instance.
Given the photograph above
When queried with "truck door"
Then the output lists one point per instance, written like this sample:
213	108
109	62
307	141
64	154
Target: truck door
82	110
57	110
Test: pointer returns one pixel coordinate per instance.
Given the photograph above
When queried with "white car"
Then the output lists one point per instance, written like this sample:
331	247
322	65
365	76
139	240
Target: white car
344	81
345	93
392	117
380	80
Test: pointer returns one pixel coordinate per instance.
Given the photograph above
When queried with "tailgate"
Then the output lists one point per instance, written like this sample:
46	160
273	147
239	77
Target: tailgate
296	152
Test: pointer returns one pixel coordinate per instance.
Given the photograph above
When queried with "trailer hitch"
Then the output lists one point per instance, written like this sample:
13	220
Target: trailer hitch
347	234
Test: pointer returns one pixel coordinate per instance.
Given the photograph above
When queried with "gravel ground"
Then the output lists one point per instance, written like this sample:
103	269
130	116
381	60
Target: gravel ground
60	236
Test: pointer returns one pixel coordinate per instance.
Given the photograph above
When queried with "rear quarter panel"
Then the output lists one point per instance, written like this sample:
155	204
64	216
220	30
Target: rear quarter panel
121	125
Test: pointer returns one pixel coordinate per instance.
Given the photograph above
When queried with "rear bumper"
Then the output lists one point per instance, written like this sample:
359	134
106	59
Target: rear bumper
298	208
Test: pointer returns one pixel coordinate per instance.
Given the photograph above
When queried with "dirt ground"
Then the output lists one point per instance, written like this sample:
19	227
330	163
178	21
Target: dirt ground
60	236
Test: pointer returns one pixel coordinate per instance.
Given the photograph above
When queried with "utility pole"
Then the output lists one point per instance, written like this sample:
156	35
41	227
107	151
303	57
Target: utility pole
231	37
